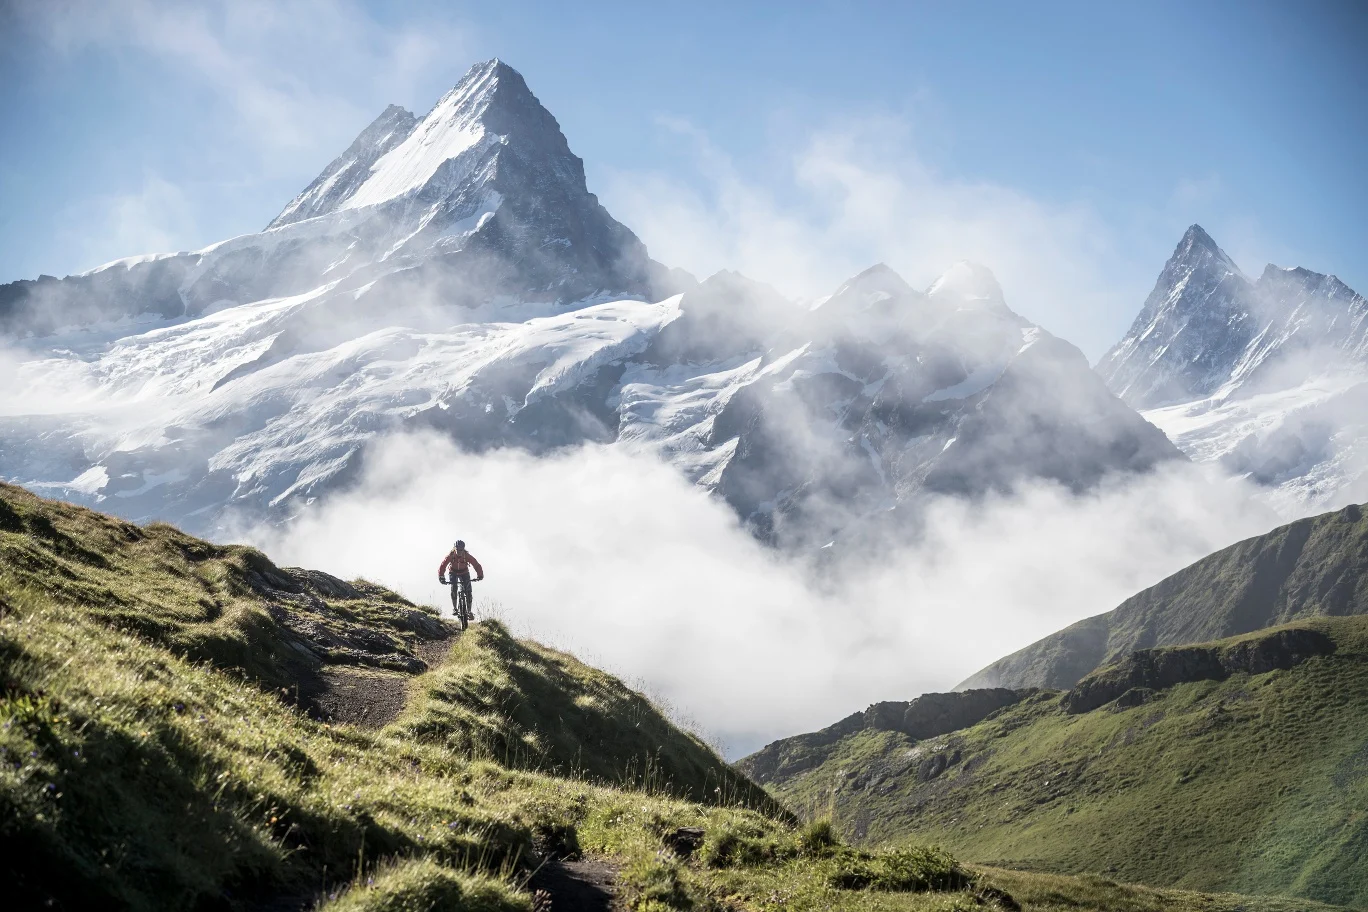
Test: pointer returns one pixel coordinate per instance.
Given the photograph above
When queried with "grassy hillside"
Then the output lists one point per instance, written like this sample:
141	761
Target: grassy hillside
528	707
1229	780
159	750
1310	568
166	743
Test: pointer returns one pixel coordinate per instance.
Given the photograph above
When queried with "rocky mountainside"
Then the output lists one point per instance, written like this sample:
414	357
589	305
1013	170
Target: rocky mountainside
452	273
1270	376
1232	765
1310	568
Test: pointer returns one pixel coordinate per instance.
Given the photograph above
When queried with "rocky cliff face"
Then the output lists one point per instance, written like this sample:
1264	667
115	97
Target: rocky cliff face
928	716
1135	677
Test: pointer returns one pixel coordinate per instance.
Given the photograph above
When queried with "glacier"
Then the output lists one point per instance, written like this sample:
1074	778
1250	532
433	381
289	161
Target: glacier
452	274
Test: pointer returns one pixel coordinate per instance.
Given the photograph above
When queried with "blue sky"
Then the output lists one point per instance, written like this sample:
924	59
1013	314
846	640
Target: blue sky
1065	145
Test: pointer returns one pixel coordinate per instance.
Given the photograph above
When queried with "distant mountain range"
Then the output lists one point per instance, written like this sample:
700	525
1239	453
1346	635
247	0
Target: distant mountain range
452	272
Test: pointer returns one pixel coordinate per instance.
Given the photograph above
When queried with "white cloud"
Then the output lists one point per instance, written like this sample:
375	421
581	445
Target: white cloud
857	192
154	218
618	558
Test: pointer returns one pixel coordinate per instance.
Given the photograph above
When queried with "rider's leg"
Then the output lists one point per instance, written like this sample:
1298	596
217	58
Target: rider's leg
470	601
455	606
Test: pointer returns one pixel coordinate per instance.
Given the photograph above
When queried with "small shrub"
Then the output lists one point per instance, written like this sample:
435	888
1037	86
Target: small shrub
741	846
898	870
425	886
818	839
654	885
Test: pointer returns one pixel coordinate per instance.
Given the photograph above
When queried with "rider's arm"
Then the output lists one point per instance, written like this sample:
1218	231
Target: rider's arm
441	571
479	571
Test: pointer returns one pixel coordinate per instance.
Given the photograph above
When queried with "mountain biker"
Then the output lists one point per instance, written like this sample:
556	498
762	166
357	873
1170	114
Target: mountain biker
460	561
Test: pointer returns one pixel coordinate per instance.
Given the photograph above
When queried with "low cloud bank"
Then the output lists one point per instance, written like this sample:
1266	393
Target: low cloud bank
615	557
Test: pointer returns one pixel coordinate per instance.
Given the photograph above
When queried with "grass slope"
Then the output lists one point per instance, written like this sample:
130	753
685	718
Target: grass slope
1255	783
1310	568
153	756
529	707
226	605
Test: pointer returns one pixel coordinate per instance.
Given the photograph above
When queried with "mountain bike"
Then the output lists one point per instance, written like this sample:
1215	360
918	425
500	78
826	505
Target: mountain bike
462	602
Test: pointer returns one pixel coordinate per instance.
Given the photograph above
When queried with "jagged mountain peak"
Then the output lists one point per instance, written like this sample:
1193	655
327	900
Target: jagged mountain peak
399	155
1197	236
1197	248
346	173
1193	323
1301	278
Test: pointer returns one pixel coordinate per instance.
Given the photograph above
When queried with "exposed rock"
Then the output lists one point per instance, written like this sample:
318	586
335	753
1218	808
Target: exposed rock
1139	674
928	716
684	841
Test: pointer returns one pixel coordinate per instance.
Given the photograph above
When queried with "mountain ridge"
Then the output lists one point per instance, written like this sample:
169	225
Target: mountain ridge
1313	567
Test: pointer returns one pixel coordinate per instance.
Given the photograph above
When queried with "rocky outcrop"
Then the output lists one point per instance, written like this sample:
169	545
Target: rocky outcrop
928	716
1133	680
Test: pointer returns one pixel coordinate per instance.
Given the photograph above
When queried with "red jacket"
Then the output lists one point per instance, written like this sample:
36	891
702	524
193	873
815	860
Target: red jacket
460	563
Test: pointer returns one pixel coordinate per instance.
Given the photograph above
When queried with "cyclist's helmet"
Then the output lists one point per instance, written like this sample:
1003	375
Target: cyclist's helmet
460	544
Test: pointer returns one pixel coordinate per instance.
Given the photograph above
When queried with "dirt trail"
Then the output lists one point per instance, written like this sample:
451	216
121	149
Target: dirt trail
371	697
585	885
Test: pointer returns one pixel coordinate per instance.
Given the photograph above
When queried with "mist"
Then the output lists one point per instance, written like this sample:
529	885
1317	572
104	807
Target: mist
615	557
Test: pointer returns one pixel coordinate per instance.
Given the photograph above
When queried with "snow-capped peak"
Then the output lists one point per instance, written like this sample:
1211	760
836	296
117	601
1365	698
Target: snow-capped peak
400	155
876	284
452	126
350	170
967	281
1197	249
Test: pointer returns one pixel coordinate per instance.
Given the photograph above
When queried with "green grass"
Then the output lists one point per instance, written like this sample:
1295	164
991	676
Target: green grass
1056	893
529	707
150	756
1256	784
423	885
150	759
227	605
